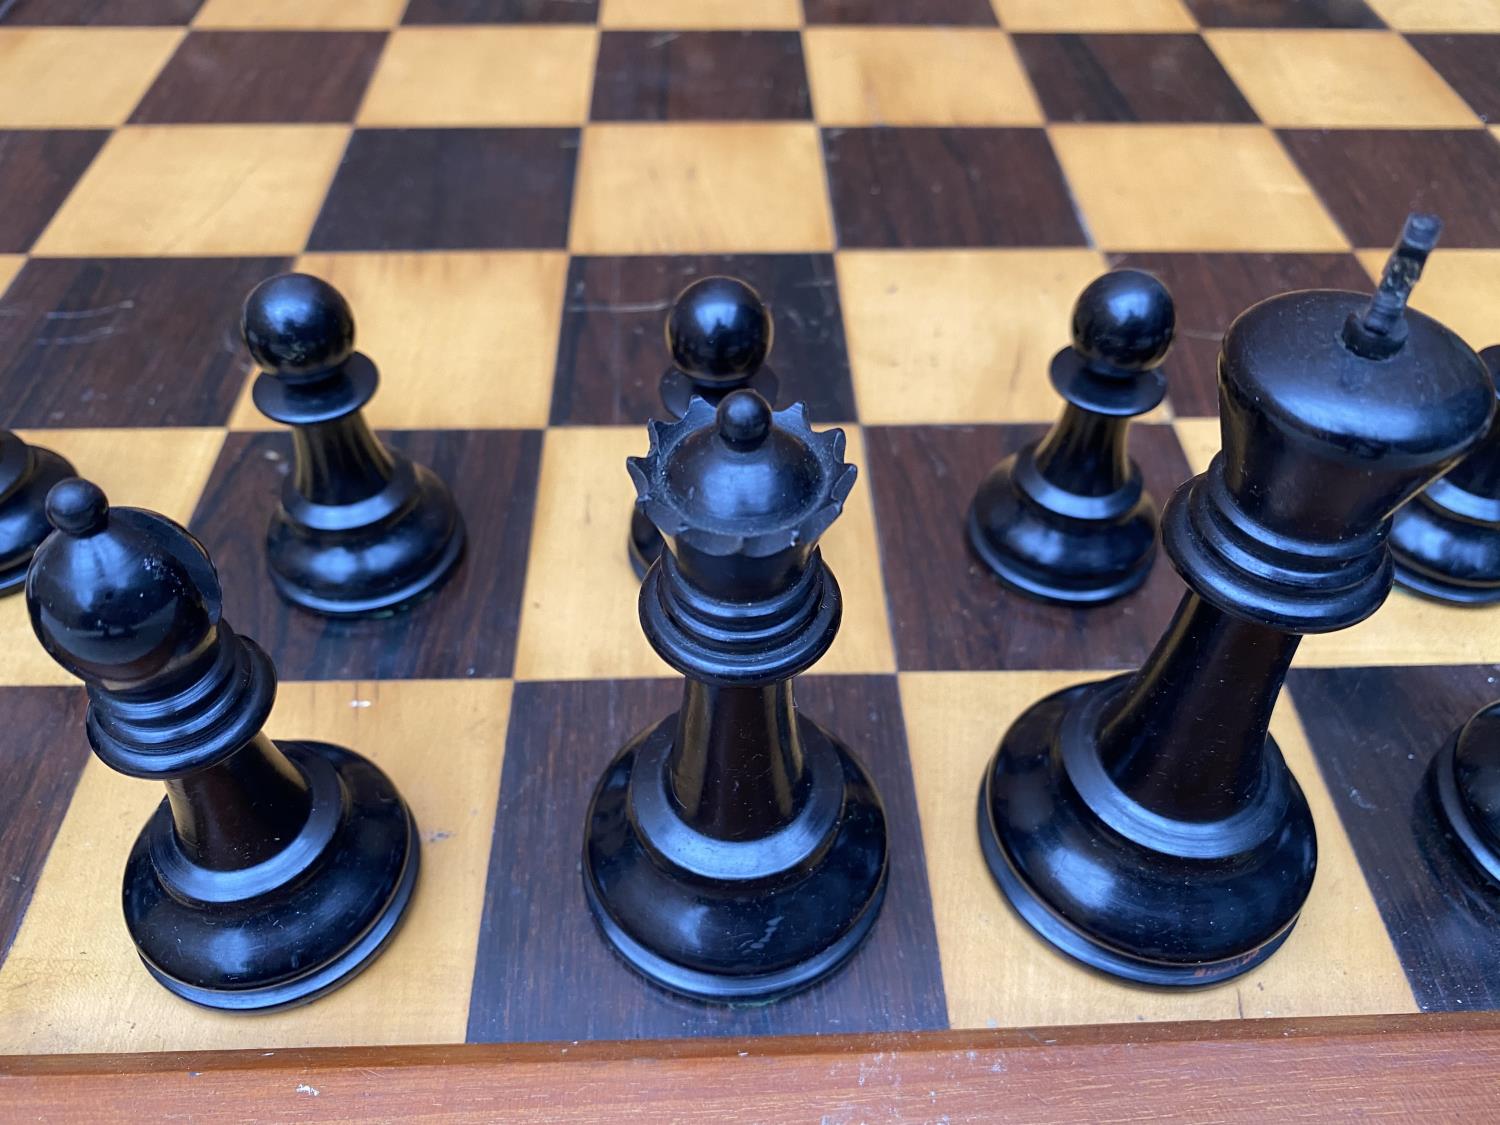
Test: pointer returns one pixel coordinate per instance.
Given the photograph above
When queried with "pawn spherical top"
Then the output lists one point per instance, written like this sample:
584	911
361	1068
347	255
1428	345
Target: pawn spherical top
1124	321
719	330
77	507
296	325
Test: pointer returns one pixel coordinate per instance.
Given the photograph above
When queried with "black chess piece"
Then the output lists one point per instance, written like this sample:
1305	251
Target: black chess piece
271	873
719	334
361	530
1466	776
26	473
736	850
1147	824
1066	519
1447	541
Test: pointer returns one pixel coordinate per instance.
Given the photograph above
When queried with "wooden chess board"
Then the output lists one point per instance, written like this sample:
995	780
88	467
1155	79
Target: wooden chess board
510	192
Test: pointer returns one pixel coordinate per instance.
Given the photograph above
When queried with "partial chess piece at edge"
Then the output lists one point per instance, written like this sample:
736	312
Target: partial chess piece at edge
273	872
27	472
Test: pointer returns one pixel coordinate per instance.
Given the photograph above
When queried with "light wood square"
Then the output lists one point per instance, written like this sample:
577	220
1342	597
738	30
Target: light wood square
1094	15
959	336
917	76
485	345
73	981
579	617
1439	15
10	265
57	77
1407	629
1330	79
1459	287
1209	187
483	76
191	189
700	188
128	465
311	14
998	973
683	15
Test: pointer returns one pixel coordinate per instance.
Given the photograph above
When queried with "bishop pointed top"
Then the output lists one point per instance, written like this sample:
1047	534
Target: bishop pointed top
742	479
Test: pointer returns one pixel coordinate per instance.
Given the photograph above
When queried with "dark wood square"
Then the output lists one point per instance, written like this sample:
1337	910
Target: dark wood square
948	612
700	75
502	11
1470	64
450	189
125	341
1375	731
543	972
1370	179
466	629
970	12
137	13
944	187
40	760
38	167
1284	13
1130	78
611	352
262	76
1210	290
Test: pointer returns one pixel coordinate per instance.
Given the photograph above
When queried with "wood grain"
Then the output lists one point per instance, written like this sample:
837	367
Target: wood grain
1466	62
961	12
69	77
1284	13
501	11
700	76
38	167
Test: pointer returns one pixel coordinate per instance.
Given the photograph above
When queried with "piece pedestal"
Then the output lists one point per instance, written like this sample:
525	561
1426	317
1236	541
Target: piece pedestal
23	515
1446	544
726	920
286	930
1466	776
1133	893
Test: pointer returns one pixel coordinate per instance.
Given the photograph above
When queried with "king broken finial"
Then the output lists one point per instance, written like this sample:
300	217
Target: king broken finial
1380	330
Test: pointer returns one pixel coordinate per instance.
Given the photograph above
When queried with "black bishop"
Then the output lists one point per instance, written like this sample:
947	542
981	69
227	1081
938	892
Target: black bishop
272	872
361	530
736	850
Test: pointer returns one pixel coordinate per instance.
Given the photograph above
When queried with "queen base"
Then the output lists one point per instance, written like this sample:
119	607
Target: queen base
1128	891
289	929
734	921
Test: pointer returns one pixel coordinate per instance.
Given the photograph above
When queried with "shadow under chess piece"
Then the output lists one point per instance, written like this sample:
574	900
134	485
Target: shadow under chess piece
1447	541
1466	775
736	851
1066	519
272	872
1147	825
27	472
719	334
361	529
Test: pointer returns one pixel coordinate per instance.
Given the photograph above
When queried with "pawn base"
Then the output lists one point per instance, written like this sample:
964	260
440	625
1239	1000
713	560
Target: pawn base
23	516
1441	555
1075	550
1466	775
742	921
288	930
1164	903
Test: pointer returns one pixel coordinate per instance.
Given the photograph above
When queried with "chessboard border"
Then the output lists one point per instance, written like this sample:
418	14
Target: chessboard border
1432	1067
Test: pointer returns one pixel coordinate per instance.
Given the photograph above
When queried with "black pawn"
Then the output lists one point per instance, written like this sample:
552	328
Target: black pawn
1447	540
719	334
361	529
271	873
736	851
1066	519
1466	773
27	472
1147	825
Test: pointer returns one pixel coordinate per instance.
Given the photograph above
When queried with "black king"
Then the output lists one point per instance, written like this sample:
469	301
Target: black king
735	850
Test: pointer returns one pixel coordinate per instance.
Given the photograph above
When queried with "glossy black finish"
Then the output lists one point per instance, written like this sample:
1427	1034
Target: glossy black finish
27	472
271	873
361	530
1066	519
718	333
737	851
1466	775
1147	825
1446	542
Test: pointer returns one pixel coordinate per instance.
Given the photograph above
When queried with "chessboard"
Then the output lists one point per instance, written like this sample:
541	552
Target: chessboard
510	193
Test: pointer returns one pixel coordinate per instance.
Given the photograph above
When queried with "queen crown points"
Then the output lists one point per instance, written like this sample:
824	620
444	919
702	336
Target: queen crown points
742	479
